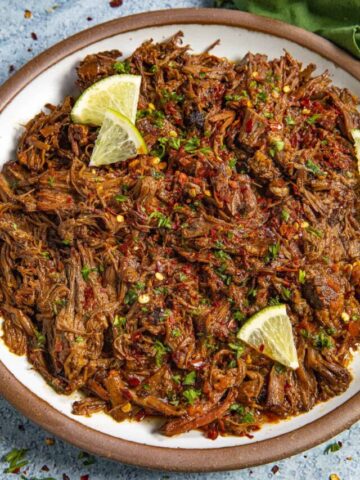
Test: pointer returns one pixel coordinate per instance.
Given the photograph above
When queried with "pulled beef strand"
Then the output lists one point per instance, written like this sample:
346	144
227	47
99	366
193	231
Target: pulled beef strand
129	282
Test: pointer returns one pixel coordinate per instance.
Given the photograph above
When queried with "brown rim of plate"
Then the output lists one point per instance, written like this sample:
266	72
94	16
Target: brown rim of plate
186	460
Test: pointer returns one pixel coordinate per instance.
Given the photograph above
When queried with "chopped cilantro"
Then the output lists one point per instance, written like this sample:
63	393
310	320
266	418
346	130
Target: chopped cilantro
273	252
16	460
289	121
237	408
160	350
302	275
121	198
239	316
86	270
163	220
311	120
262	96
273	301
321	340
248	418
286	293
119	322
315	231
285	215
191	395
192	144
239	348
40	338
278	145
130	296
190	379
232	163
171	96
221	255
333	447
174	143
268	115
232	98
314	168
176	333
122	67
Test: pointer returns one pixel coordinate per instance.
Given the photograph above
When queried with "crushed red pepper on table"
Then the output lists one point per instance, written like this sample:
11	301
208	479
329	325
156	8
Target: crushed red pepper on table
115	3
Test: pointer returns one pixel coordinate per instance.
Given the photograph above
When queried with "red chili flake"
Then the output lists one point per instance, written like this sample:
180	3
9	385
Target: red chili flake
140	415
11	68
27	14
45	468
249	435
261	348
115	3
88	297
89	19
275	469
133	382
85	477
212	432
136	336
169	108
34	36
249	125
126	394
305	102
65	477
213	233
294	140
123	248
69	199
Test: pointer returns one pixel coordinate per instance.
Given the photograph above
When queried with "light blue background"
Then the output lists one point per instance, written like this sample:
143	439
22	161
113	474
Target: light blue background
51	25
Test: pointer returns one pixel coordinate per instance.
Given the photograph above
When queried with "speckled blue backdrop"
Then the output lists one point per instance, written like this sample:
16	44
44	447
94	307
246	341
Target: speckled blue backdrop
21	39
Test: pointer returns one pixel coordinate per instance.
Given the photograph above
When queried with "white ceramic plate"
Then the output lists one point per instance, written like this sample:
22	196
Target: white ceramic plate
56	82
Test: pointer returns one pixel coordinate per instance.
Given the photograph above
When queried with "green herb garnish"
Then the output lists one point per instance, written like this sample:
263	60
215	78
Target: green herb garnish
302	275
190	379
333	447
163	220
191	395
160	350
122	67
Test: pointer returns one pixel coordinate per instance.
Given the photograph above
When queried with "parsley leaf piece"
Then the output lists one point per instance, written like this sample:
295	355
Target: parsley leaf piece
190	379
191	395
122	67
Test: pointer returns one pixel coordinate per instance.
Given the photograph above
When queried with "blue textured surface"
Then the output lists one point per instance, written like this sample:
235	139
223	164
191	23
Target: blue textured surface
53	21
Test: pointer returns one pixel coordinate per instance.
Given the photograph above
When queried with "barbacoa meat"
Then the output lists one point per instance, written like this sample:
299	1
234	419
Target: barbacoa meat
130	282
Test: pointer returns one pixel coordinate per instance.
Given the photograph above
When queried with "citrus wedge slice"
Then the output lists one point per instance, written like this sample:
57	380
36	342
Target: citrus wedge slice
117	141
269	331
355	132
118	92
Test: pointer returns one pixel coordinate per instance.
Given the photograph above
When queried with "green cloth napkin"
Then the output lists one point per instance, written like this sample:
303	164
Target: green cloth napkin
336	20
